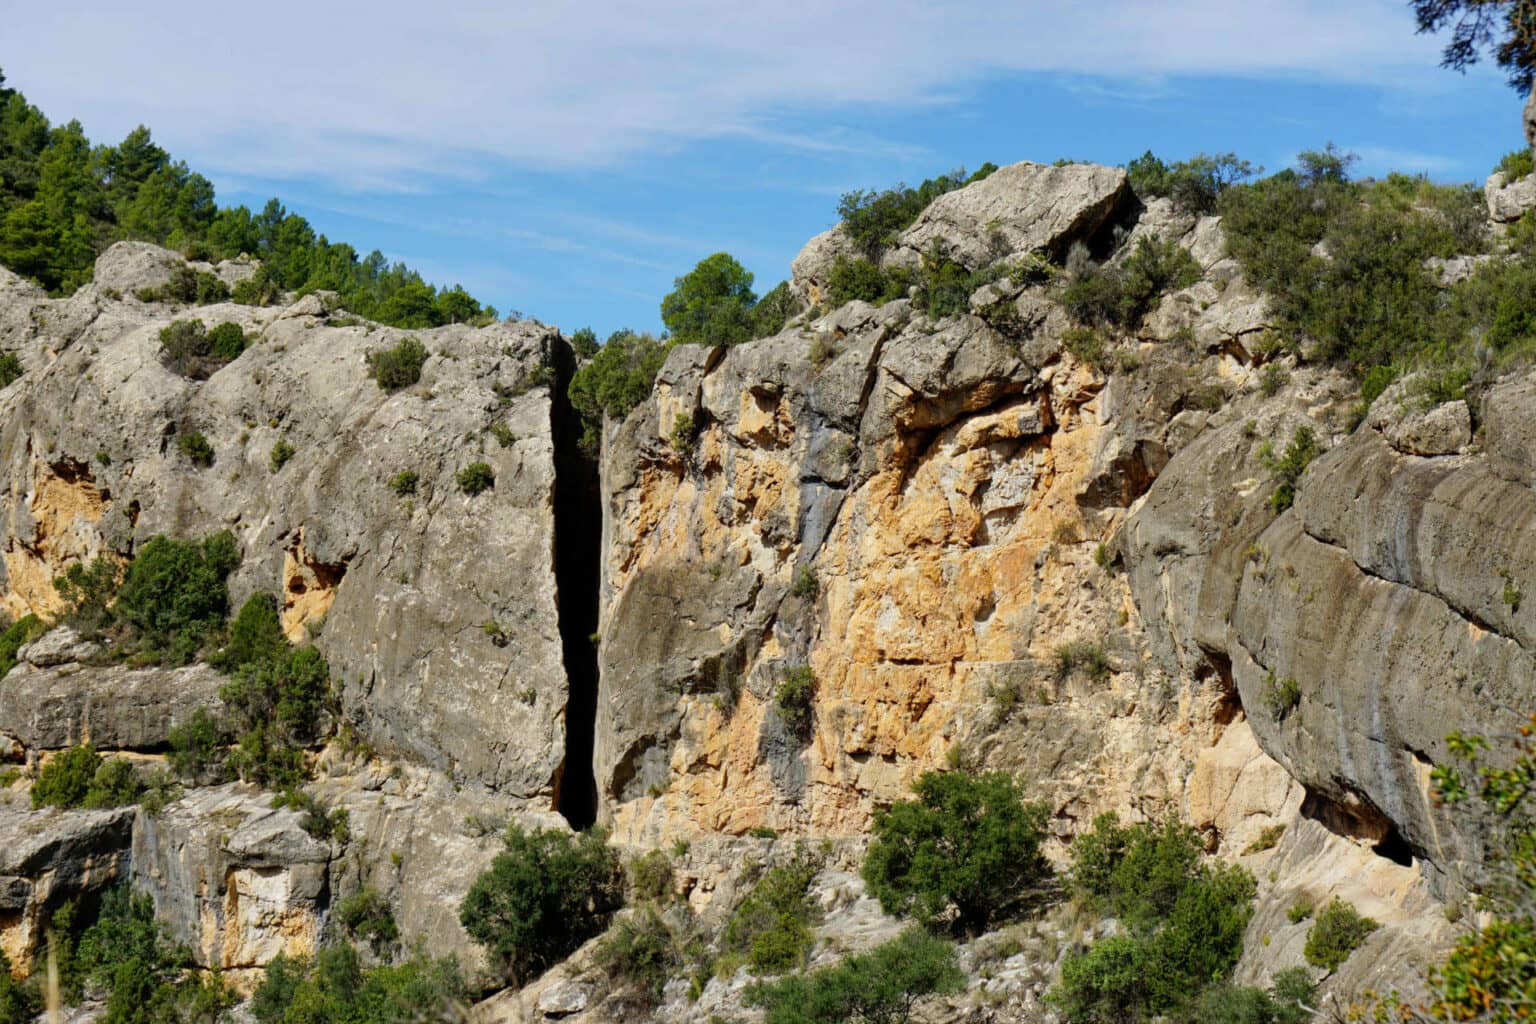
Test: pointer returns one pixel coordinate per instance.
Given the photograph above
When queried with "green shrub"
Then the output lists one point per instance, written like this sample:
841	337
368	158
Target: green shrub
366	915
335	987
584	342
173	595
1082	657
965	853
1289	466
1300	910
1516	165
1195	185
544	895
640	953
1185	921
712	304
475	478
187	347
873	220
404	482
19	633
615	380
1267	839
1338	931
276	704
863	280
1122	296
282	451
197	748
795	699
650	877
1377	380
87	590
398	366
805	585
877	987
775	309
503	434
66	778
1285	1003
196	448
771	929
19	1002
1281	696
115	784
188	286
10	369
684	433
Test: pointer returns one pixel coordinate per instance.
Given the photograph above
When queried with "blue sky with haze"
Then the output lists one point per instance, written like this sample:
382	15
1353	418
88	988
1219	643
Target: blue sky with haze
569	160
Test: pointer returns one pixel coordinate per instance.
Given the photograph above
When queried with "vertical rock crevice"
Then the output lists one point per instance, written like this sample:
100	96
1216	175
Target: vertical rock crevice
578	531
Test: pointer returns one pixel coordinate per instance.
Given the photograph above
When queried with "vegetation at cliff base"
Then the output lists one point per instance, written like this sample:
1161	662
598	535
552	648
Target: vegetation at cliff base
963	854
1184	919
64	200
334	985
877	987
545	894
770	931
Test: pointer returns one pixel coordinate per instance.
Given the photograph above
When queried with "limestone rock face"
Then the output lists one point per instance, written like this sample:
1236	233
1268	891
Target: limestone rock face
1024	207
50	856
1412	429
1508	200
811	270
109	706
436	610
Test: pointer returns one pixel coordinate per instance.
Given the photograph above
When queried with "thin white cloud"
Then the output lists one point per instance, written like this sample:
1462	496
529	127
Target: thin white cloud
384	94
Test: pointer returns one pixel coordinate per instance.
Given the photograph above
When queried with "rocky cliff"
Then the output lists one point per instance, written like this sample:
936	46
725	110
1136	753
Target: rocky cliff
964	540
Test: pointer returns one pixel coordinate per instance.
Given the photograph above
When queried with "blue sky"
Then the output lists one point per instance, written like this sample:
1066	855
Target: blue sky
569	160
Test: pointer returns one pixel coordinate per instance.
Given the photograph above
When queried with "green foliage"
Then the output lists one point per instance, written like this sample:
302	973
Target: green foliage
114	784
197	748
771	929
404	482
398	366
873	220
877	987
1267	839
1195	185
128	954
173	596
281	452
1300	910
503	434
650	877
1281	696
63	201
315	816
584	343
1185	921
1501	27
276	704
1122	296
1338	931
1082	657
965	853
1516	165
861	279
66	778
544	895
195	447
711	304
19	1002
1376	380
615	380
335	987
187	286
23	631
641	953
87	590
805	585
10	369
1290	465
1285	1003
1086	343
365	915
684	433
475	478
795	699
775	309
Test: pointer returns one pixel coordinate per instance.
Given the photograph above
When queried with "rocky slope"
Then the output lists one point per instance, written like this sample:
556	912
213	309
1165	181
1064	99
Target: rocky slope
985	550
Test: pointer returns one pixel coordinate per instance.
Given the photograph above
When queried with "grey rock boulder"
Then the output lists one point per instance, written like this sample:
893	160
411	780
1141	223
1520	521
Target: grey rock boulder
1024	207
1414	429
113	707
811	270
1509	200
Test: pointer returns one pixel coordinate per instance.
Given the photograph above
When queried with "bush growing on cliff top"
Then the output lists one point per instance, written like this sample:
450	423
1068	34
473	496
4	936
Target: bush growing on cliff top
874	219
1195	185
615	380
398	366
544	895
962	855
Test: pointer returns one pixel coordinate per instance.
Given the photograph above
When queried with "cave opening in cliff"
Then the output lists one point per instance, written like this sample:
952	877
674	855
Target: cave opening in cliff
578	532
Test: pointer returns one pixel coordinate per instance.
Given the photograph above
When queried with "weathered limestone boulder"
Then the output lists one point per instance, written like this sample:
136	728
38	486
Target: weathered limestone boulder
436	610
1415	427
1509	200
811	270
1024	207
47	857
112	707
127	267
236	880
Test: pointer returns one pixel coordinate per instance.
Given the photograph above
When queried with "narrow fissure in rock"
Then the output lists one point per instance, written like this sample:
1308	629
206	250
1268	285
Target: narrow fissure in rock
578	532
